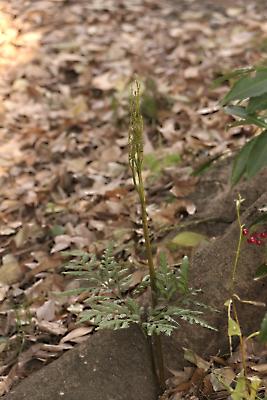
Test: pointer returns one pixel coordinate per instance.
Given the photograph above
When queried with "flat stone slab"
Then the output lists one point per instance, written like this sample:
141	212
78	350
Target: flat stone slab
111	365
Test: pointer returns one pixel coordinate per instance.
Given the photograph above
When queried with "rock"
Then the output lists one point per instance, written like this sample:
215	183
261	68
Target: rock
215	199
222	204
211	271
111	365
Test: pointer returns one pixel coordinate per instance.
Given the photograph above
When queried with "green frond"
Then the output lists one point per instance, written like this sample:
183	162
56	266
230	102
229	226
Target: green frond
142	286
77	253
110	313
157	325
167	317
109	304
166	280
205	306
183	277
181	312
194	320
72	292
114	276
170	282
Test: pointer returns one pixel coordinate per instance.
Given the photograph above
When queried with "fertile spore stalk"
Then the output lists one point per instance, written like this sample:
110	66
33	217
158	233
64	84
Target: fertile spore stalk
136	152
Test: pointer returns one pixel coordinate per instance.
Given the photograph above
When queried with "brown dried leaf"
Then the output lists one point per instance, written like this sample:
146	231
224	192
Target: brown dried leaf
55	327
46	311
10	271
76	333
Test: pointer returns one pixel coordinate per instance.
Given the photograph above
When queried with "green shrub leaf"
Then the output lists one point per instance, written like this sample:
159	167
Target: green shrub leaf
246	117
232	74
237	111
247	87
241	162
261	272
258	155
263	331
258	103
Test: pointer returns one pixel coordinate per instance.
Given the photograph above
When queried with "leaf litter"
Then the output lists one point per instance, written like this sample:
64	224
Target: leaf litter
217	378
65	184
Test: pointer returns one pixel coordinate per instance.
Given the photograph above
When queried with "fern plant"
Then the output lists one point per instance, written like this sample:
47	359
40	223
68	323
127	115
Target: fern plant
111	303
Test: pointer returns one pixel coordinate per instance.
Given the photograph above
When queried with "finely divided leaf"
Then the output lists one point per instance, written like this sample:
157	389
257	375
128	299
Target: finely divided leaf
183	278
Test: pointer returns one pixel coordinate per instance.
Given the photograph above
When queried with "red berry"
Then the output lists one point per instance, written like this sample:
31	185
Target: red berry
263	235
245	231
259	242
252	240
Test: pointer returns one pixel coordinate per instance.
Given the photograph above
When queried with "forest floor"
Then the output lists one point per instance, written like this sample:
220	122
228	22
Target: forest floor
66	69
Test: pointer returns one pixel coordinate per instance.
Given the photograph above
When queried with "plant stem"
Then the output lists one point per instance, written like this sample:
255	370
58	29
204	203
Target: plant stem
159	361
238	250
242	345
150	262
237	256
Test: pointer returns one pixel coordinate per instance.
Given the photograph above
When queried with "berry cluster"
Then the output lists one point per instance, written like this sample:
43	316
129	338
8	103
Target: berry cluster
256	237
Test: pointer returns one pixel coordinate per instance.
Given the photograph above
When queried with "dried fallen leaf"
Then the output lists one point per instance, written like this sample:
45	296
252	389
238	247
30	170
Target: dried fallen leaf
192	357
46	311
55	327
187	239
3	291
10	271
180	376
220	377
62	242
104	81
261	368
76	333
